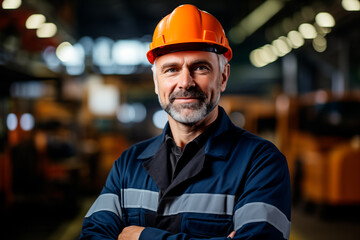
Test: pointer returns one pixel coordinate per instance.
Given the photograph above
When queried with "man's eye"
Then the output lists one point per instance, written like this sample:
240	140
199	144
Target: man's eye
201	68
170	70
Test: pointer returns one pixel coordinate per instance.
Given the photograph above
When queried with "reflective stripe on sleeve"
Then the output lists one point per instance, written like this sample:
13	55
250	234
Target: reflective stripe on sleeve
202	203
140	198
106	202
262	212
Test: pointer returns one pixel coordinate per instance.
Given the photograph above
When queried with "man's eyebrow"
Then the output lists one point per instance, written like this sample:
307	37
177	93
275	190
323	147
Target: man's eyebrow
202	62
168	65
194	63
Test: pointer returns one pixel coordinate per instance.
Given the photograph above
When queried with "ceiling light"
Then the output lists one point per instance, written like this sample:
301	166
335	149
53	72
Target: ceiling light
160	119
11	4
27	121
35	21
308	31
127	52
325	19
103	98
255	20
11	121
296	39
319	44
65	51
323	30
268	54
46	30
282	46
351	5
256	58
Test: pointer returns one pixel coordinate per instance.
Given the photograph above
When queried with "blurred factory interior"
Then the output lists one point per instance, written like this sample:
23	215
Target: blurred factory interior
76	90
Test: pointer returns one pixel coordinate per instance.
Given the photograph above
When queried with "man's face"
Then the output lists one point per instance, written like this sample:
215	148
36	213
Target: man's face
189	84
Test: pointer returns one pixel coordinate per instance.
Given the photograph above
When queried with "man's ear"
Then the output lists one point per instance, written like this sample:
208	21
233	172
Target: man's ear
224	77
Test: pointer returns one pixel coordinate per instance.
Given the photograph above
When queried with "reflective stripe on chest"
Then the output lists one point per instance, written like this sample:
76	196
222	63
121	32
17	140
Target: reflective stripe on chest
206	203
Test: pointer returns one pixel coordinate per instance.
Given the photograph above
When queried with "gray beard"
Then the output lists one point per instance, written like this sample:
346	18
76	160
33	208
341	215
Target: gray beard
200	109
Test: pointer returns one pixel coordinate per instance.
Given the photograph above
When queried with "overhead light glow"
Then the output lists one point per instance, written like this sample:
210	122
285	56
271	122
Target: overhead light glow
46	30
296	39
35	21
255	20
308	31
323	30
319	44
103	99
127	52
256	58
27	122
268	53
50	58
282	46
11	121
134	112
11	4
160	118
351	5
102	52
325	19
75	59
65	51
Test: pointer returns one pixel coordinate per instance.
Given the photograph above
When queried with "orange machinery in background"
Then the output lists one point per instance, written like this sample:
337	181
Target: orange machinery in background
319	133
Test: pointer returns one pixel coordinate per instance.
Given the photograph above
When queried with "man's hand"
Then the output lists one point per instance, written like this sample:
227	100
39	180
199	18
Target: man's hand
232	234
130	233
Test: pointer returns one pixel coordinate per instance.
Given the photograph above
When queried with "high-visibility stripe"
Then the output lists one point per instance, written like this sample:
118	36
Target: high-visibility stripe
262	212
190	202
202	203
106	202
140	198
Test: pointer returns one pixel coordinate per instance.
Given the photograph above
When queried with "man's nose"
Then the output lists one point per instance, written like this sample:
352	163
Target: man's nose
186	80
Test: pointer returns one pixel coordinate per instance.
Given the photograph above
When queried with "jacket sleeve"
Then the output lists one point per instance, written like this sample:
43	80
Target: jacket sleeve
104	218
262	210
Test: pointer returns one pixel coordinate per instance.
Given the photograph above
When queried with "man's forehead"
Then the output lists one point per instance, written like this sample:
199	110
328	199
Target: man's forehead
187	57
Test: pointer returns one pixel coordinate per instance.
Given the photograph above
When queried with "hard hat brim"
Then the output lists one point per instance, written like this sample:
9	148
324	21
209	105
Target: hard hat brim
200	46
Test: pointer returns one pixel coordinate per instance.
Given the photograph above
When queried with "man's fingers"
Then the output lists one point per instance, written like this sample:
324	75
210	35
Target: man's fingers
130	233
232	234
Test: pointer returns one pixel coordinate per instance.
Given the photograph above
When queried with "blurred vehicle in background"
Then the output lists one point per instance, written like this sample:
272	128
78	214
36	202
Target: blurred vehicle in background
319	133
323	147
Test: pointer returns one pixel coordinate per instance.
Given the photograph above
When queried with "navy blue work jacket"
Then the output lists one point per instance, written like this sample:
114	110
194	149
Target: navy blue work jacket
236	182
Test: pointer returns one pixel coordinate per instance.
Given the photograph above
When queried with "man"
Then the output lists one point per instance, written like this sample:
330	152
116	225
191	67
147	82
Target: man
203	177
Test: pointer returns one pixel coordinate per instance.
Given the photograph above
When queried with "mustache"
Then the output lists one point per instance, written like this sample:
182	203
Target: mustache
189	93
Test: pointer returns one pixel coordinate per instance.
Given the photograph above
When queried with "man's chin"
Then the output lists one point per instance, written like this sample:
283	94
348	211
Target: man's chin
187	115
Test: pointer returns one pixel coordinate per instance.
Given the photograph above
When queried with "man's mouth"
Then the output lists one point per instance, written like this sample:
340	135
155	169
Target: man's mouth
187	96
186	99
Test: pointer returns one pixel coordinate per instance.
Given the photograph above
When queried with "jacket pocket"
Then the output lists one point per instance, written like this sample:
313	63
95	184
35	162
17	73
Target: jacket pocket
208	227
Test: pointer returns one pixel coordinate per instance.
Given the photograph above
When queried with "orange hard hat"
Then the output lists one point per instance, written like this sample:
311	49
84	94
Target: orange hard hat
188	29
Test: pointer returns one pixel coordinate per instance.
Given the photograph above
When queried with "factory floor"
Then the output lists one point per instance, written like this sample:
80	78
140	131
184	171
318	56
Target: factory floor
49	221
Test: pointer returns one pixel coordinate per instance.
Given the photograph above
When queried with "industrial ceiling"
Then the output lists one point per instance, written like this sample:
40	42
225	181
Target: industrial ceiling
136	19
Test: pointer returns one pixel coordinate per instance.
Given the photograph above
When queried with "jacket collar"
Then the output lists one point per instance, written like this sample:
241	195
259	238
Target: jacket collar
154	146
216	146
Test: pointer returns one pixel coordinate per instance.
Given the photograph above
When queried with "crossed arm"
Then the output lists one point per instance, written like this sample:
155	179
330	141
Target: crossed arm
133	233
